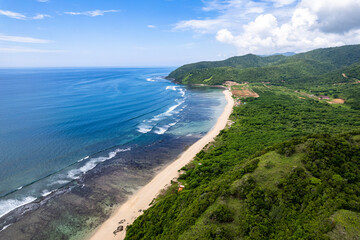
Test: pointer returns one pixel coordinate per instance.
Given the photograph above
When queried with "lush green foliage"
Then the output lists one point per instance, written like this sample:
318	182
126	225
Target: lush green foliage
310	68
245	187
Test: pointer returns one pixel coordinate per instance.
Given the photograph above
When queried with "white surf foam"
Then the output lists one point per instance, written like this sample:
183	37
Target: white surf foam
171	88
168	112
150	80
60	182
148	125
5	227
76	173
161	130
7	206
182	92
177	88
83	158
46	193
143	128
173	124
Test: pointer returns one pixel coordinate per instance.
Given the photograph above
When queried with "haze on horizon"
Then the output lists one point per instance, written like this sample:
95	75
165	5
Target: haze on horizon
64	33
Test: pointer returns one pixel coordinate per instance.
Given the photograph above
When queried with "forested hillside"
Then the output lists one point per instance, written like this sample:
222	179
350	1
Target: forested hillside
277	69
250	184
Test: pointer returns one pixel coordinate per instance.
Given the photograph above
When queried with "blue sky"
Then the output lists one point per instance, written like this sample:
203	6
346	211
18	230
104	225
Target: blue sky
51	33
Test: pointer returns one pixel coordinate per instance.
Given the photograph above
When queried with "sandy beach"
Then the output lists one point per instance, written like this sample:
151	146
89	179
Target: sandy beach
129	211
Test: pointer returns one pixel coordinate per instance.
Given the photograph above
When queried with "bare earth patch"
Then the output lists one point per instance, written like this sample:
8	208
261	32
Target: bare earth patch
337	101
245	93
231	83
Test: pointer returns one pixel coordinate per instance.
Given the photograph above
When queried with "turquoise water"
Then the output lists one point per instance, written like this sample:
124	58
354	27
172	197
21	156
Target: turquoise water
57	124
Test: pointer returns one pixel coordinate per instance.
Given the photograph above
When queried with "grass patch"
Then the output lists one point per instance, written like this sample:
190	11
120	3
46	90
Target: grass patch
273	166
347	225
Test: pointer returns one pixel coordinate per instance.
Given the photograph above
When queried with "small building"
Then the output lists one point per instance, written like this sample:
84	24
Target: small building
181	187
324	97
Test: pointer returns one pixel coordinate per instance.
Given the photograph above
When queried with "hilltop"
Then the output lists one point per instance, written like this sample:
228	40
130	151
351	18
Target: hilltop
288	167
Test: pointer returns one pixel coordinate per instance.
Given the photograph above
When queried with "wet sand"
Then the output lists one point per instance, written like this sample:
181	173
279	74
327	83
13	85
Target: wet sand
133	207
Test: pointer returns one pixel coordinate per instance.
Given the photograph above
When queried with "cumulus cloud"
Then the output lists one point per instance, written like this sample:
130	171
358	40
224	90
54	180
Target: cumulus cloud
273	26
92	13
335	16
22	39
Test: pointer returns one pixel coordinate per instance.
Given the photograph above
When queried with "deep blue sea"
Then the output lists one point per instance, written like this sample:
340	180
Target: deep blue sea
58	124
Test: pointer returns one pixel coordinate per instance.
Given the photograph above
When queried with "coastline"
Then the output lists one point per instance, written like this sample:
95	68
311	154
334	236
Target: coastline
140	201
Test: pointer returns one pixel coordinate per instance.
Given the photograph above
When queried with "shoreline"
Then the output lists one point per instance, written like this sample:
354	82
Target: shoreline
141	199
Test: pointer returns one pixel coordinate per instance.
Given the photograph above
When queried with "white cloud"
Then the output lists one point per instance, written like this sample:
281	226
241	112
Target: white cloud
202	26
22	39
281	3
92	13
151	26
41	16
230	12
20	16
280	25
27	50
336	16
11	14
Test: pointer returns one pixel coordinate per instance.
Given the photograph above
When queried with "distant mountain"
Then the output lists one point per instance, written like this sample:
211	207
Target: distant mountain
284	54
274	69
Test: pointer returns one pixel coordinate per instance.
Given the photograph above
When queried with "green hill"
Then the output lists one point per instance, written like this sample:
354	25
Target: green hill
275	69
289	165
288	168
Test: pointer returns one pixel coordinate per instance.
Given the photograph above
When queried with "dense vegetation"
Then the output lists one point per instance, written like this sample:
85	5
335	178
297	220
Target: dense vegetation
287	168
274	69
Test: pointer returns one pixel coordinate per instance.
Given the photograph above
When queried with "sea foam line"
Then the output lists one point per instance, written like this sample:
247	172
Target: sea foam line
147	125
8	205
76	173
5	227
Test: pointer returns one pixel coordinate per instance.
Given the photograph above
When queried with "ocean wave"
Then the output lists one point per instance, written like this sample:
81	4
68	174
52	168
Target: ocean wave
83	158
8	205
171	88
76	173
150	80
173	124
46	192
181	90
59	182
143	128
5	227
148	125
168	112
161	130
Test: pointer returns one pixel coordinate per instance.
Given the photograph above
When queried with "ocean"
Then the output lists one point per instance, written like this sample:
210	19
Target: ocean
68	130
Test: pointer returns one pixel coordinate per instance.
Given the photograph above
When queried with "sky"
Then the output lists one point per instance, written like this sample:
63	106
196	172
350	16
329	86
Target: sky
151	33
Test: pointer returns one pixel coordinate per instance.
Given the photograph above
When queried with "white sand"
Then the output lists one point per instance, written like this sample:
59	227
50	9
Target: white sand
143	197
